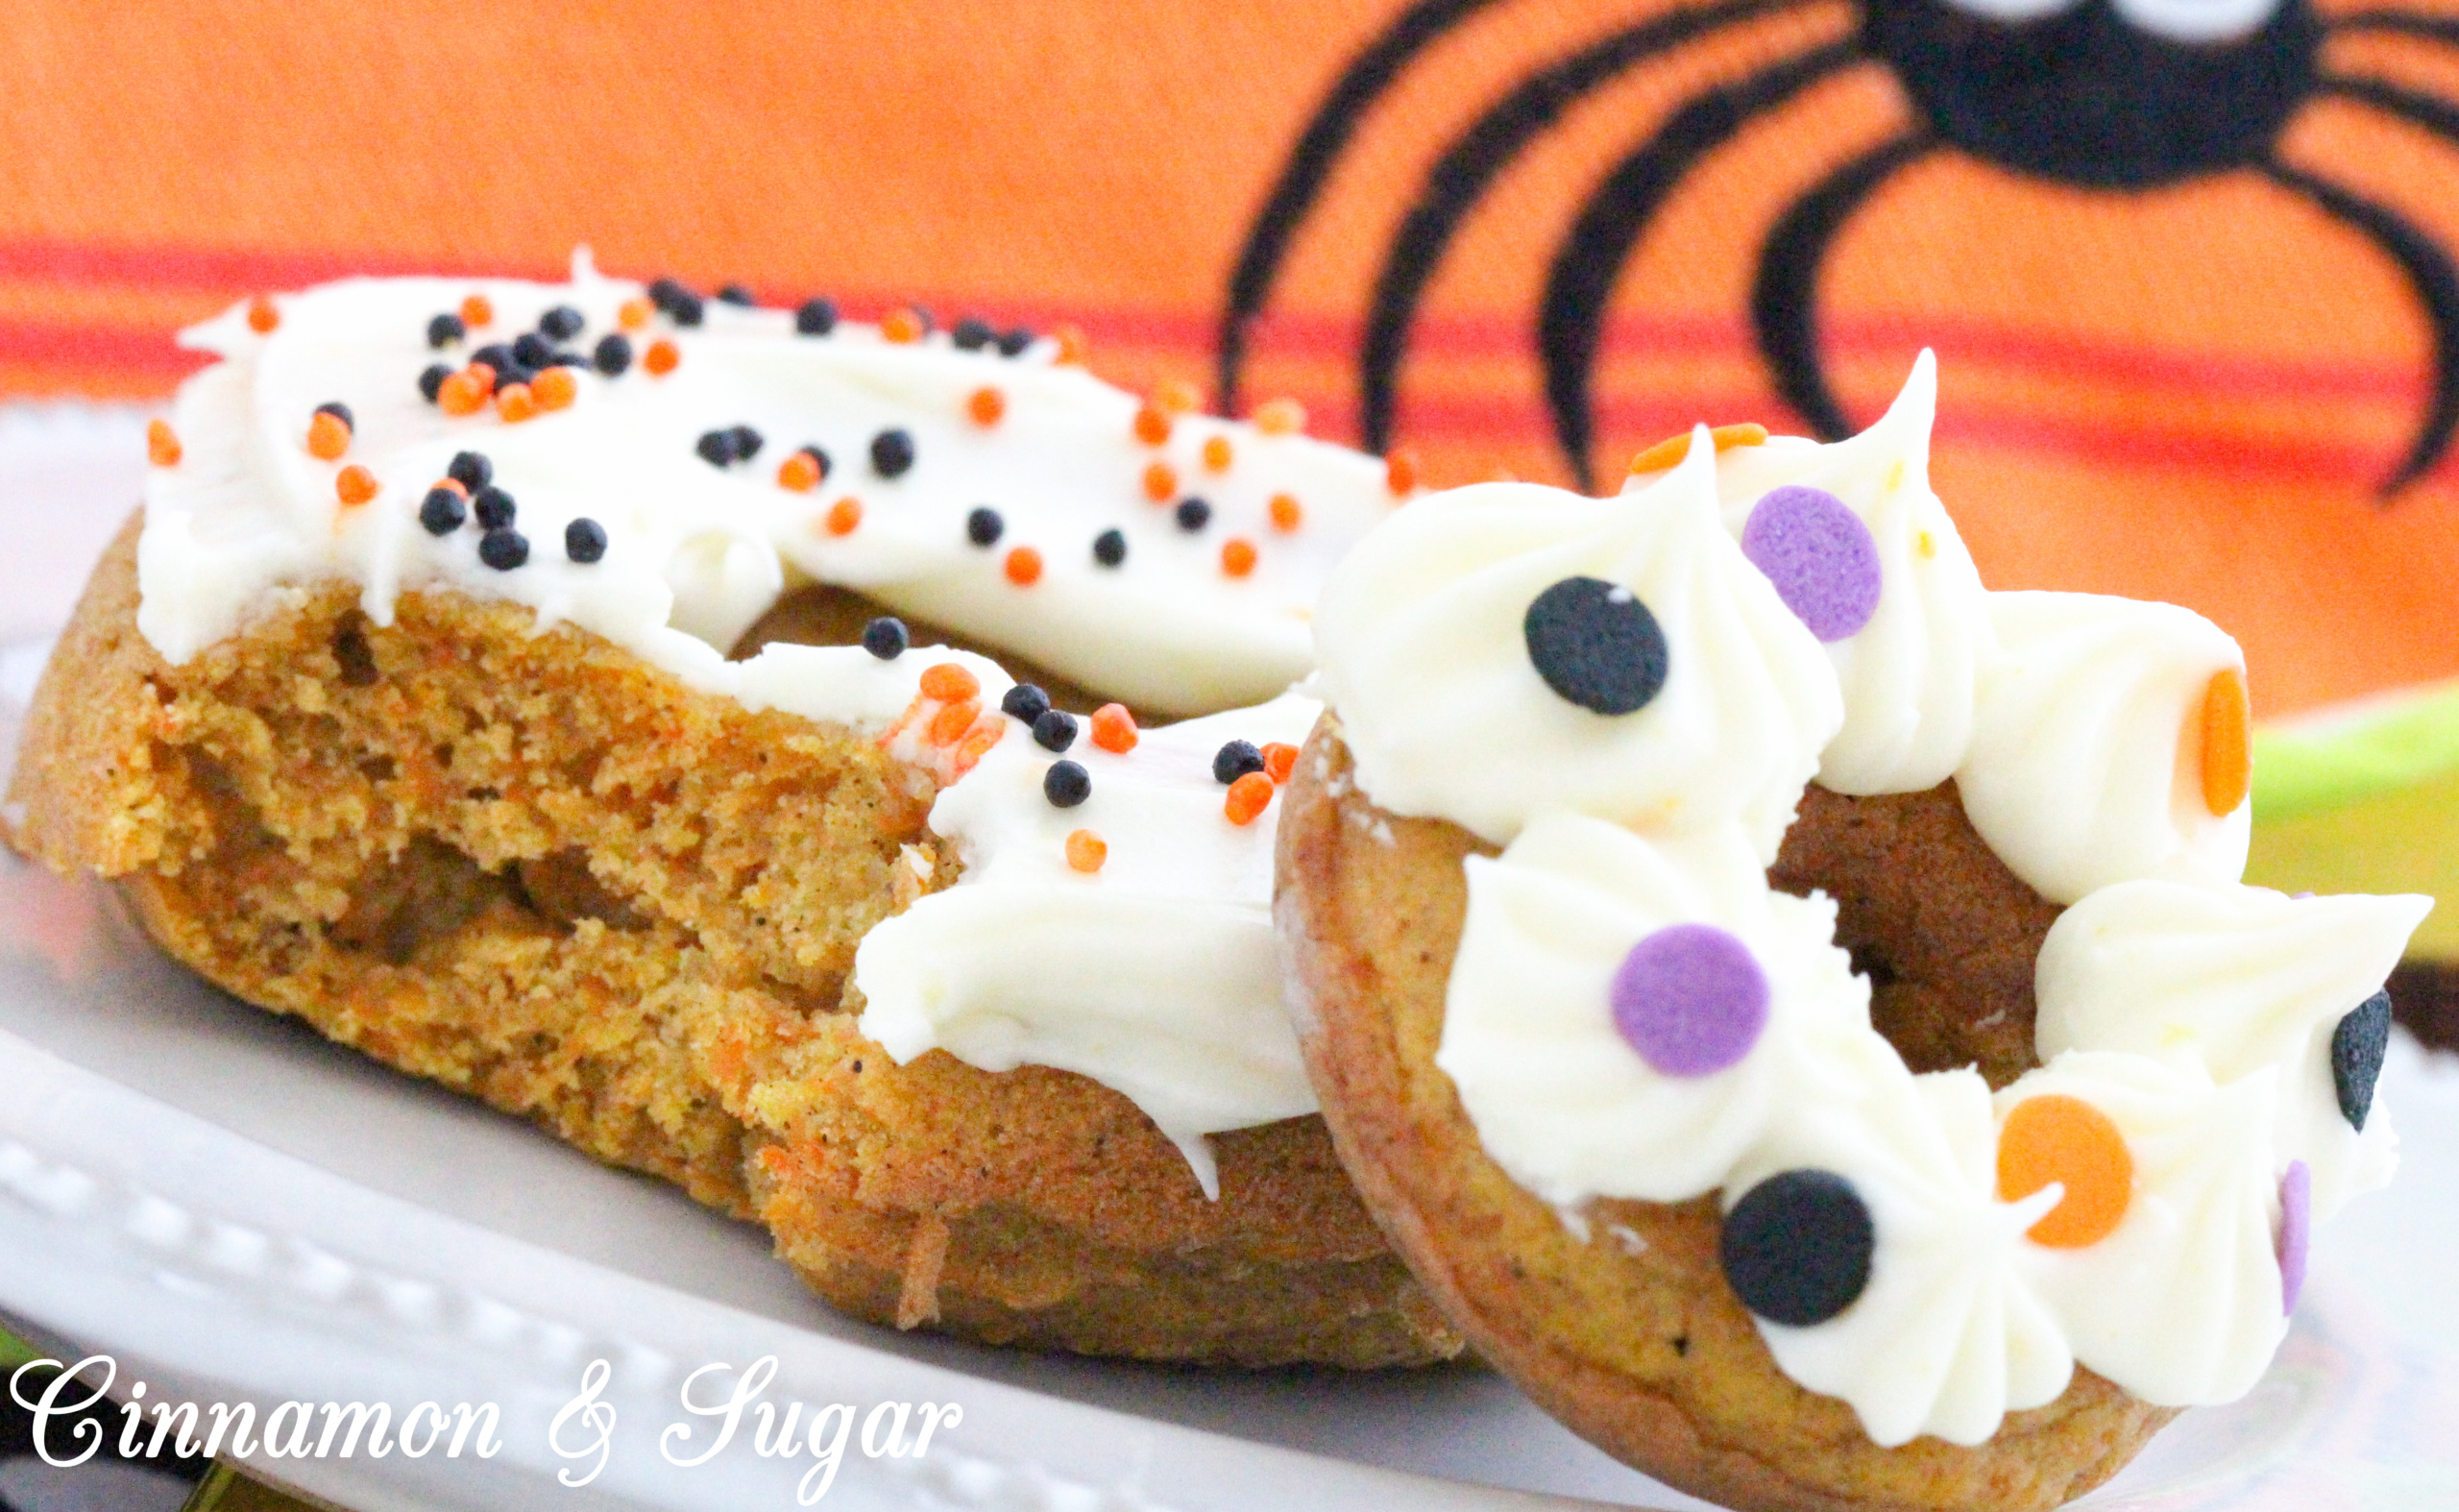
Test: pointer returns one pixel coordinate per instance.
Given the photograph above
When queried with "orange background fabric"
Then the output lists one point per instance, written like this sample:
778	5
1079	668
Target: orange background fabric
2190	392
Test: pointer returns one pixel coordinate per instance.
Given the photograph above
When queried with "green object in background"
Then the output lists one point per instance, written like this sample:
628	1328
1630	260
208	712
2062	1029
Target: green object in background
16	1352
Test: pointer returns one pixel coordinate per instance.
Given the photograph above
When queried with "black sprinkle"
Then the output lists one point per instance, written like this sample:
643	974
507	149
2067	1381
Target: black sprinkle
817	317
747	443
1194	514
532	350
1797	1248
614	354
584	540
983	526
339	411
518	373
565	358
494	507
563	323
892	452
972	333
922	315
715	448
737	294
1014	342
1054	730
503	550
1109	548
819	458
1235	761
497	355
446	330
1066	784
885	638
667	293
1595	644
686	311
1024	702
443	510
432	381
2357	1046
470	470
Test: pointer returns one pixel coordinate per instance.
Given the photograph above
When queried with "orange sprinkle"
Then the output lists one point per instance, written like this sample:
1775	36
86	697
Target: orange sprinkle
660	358
1086	851
1179	396
328	438
634	314
1280	417
986	405
161	444
948	682
843	516
1287	516
2064	1139
1249	796
485	375
798	472
2227	754
1217	453
515	402
463	393
977	745
1281	759
477	310
1071	344
555	388
453	483
1115	728
1674	449
262	317
1151	425
949	724
1237	556
1401	472
1160	481
356	484
901	325
1024	567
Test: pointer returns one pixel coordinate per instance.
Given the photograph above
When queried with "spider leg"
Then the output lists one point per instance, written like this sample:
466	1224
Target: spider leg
2429	272
2432	28
1470	166
1570	320
1783	295
1310	163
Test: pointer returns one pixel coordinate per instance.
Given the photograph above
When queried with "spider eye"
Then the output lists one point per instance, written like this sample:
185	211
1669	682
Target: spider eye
2012	10
2196	20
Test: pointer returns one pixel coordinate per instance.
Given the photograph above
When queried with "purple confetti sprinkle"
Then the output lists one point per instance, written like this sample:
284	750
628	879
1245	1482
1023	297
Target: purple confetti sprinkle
1820	555
1690	999
2296	1231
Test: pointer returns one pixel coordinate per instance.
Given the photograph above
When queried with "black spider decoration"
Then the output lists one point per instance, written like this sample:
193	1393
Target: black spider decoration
2110	95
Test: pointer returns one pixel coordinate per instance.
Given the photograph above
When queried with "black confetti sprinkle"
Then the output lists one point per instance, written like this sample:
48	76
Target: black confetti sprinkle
1054	730
686	311
1797	1248
1595	644
532	350
584	540
444	330
1066	784
972	333
1109	548
983	526
667	293
2357	1047
497	356
432	381
892	452
886	638
817	317
1024	702
443	510
1193	514
1235	760
494	507
503	550
470	470
747	443
715	448
819	460
562	323
339	411
737	294
1014	342
614	354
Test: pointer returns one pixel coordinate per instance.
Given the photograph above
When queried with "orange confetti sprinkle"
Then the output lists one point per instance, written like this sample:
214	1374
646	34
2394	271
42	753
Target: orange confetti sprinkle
1281	759
328	438
985	406
949	724
1024	567
356	484
515	402
2227	742
453	483
1179	395
1217	453
901	325
948	682
1072	348
1401	472
1287	515
485	375
798	472
634	314
477	310
1151	425
464	393
1280	417
1249	796
1237	556
1160	481
660	358
161	444
262	317
978	744
842	517
1086	851
1115	728
2057	1138
1670	450
555	388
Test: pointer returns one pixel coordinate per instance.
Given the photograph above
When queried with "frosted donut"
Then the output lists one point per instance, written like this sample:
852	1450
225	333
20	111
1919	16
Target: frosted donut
1674	892
408	708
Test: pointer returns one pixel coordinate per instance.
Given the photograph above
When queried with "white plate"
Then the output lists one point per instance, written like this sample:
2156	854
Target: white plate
238	1211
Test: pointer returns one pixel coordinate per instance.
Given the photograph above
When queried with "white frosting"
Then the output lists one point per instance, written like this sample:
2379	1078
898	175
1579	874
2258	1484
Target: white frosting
1424	654
2084	768
1560	1099
1154	976
1908	675
696	552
